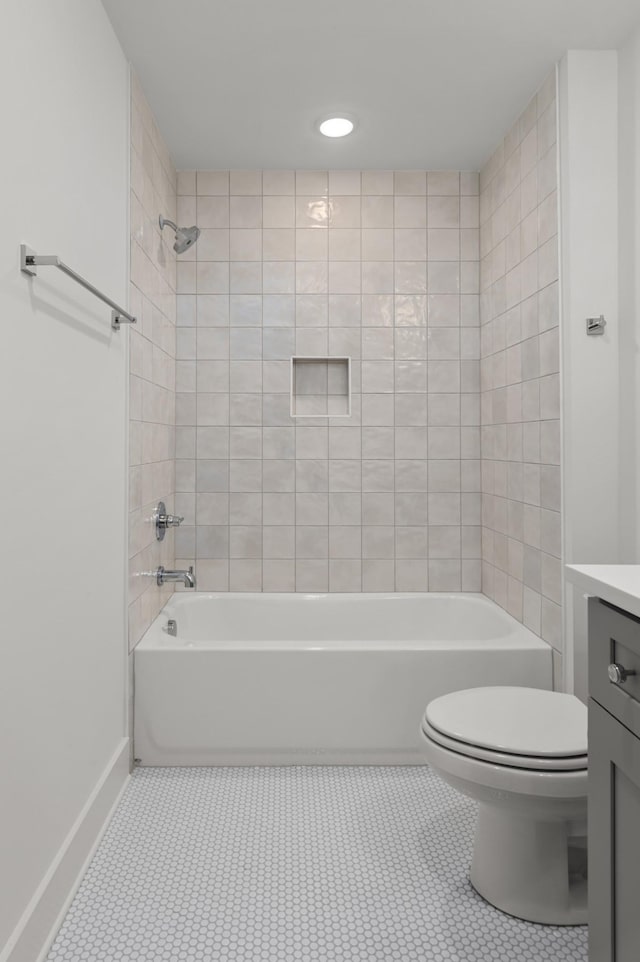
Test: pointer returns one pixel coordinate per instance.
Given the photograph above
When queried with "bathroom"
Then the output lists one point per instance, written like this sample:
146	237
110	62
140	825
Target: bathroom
322	455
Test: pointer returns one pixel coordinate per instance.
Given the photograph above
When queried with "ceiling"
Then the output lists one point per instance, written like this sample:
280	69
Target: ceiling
432	83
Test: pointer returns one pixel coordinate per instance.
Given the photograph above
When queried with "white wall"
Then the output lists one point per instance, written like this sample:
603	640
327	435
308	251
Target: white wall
590	365
629	290
63	170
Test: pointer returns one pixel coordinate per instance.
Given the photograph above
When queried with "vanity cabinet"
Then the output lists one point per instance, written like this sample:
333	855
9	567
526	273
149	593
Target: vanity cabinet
614	784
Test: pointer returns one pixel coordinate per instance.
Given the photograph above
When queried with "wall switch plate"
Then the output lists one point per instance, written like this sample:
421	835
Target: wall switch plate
596	325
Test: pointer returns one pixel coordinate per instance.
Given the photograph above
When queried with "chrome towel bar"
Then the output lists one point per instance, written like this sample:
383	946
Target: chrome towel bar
30	261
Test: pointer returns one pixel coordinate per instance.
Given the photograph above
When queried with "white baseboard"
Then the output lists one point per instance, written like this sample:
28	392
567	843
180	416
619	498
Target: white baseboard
40	921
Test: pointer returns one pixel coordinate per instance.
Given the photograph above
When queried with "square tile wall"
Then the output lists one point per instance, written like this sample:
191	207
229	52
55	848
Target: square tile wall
152	351
520	379
382	267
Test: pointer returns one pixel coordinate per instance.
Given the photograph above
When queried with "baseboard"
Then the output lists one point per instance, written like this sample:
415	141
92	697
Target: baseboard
40	921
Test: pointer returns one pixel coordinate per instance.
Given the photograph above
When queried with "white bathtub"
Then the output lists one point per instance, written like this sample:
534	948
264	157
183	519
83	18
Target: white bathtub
273	679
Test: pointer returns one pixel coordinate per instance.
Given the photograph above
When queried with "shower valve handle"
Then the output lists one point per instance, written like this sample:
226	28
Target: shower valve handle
170	520
162	520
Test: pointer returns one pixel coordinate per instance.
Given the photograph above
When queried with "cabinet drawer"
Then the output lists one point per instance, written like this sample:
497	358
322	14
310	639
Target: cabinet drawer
614	638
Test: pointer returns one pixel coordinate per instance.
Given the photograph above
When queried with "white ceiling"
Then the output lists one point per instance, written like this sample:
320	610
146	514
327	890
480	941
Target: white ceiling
433	83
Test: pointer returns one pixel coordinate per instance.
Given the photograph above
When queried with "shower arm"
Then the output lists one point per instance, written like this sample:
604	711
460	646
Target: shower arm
30	261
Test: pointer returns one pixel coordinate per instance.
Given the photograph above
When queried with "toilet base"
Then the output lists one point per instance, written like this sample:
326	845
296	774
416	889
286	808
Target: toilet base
534	870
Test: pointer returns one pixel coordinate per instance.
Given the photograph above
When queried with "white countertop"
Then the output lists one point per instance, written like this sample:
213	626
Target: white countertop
617	584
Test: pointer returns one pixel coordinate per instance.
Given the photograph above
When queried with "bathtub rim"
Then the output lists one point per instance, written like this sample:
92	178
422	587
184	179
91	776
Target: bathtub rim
519	637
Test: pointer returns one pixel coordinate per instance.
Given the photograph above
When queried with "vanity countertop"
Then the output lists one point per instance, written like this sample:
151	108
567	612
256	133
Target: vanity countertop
617	584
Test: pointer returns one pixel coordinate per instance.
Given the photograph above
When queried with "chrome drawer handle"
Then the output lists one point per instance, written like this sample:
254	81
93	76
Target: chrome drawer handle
618	674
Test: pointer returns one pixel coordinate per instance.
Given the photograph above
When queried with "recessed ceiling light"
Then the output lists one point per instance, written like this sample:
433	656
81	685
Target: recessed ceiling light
336	126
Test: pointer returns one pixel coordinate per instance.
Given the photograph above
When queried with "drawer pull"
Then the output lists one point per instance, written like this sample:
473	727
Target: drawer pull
618	674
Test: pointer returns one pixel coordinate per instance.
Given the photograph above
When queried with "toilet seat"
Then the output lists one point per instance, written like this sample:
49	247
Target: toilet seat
534	763
525	728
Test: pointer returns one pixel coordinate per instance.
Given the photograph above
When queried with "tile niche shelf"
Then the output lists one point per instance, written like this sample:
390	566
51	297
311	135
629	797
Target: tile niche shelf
320	387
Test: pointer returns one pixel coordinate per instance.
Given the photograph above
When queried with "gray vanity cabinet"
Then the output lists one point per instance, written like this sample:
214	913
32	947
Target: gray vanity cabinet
614	785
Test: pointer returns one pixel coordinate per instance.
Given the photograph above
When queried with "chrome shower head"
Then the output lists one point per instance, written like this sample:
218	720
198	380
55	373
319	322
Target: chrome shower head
185	236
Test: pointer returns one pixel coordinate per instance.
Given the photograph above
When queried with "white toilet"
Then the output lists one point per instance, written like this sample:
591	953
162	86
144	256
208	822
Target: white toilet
521	753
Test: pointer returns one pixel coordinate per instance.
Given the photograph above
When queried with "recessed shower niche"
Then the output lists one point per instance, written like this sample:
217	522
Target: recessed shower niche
320	387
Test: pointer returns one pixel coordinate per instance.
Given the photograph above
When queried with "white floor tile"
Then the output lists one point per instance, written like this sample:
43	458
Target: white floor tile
294	865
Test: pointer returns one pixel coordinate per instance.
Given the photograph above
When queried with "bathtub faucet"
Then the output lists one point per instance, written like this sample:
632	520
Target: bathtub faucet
187	578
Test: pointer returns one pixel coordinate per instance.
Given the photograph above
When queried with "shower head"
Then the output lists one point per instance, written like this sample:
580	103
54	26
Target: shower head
185	236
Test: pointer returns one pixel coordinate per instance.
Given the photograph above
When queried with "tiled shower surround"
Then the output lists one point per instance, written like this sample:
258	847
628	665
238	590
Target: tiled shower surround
152	362
521	533
378	266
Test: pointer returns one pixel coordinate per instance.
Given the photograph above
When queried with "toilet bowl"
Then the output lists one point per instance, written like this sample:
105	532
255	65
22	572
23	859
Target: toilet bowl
521	753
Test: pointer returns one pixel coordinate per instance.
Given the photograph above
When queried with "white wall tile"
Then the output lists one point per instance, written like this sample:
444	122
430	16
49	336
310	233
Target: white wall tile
245	211
212	211
344	211
280	182
245	182
312	182
212	182
410	182
377	181
378	211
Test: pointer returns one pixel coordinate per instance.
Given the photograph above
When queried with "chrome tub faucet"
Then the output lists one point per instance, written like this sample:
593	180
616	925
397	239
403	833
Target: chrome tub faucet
188	578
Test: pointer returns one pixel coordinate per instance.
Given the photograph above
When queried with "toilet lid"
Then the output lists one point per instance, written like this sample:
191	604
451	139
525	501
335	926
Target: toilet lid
518	721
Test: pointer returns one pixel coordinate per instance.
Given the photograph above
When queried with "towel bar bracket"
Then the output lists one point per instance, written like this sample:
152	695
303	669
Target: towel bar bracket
28	261
117	319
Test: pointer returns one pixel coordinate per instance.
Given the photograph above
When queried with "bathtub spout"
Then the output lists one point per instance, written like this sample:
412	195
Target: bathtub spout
187	578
